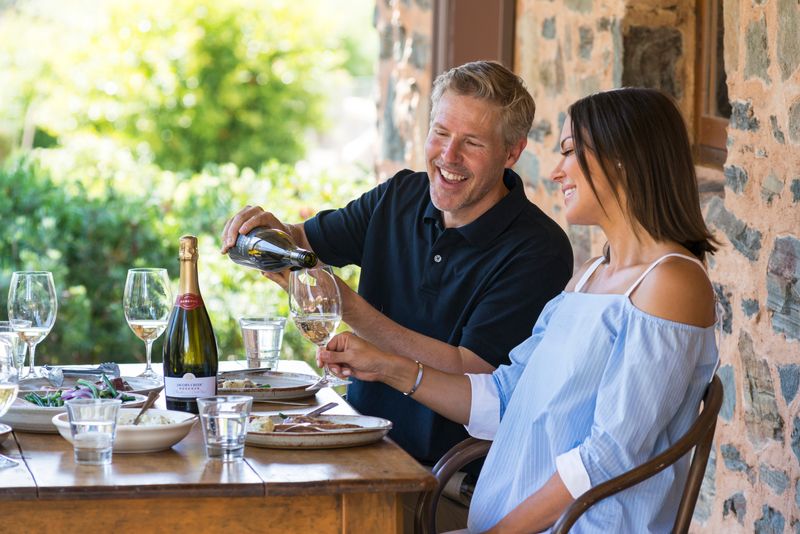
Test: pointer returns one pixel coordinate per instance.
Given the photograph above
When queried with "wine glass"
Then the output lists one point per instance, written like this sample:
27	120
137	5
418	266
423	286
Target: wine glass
315	306
32	308
147	301
8	388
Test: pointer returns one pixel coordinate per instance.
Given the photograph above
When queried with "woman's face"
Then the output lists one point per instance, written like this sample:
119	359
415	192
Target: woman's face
581	206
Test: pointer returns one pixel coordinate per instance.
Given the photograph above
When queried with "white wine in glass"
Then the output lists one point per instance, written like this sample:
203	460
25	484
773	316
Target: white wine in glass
315	306
147	301
32	309
8	388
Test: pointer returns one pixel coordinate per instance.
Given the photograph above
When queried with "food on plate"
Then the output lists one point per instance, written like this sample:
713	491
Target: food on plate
241	383
103	389
300	424
148	419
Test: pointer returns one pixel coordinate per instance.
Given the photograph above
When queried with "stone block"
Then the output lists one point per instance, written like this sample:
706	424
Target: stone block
762	419
424	4
750	307
795	189
788	42
757	53
603	24
735	178
771	187
549	28
726	376
386	40
742	116
585	42
392	144
790	380
783	286
794	122
399	48
776	130
774	478
770	522
650	58
551	74
581	6
743	238
724	307
539	130
734	462
795	443
797	493
420	51
736	504
527	167
708	490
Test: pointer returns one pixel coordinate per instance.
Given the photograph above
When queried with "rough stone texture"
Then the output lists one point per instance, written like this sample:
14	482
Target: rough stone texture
734	462
776	130
783	286
795	189
794	122
651	56
726	375
586	42
742	117
757	57
774	478
540	130
549	28
528	167
582	6
795	444
726	311
736	504
708	490
735	178
761	417
788	41
790	380
750	307
743	238
392	143
770	522
771	187
420	50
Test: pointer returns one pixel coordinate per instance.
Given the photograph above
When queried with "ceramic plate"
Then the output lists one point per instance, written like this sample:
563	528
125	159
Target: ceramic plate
272	385
137	383
5	431
144	437
28	417
372	429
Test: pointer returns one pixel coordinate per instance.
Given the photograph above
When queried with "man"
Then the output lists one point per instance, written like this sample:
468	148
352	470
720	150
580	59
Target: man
456	263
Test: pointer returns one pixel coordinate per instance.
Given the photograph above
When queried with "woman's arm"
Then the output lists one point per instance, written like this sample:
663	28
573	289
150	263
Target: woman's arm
448	394
539	511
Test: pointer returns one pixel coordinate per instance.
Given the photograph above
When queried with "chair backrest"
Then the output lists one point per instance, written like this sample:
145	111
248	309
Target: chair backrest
699	437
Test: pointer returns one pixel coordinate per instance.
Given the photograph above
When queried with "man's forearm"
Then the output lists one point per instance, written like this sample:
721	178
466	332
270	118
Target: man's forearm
389	336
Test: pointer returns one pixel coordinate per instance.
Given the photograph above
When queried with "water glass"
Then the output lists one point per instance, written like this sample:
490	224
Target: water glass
262	337
18	348
224	422
93	425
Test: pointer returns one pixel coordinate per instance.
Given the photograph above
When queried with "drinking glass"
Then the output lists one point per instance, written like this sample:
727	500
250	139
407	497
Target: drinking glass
224	423
32	308
8	388
147	301
18	348
315	306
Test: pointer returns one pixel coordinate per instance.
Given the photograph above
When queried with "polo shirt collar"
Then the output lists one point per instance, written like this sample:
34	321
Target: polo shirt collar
488	226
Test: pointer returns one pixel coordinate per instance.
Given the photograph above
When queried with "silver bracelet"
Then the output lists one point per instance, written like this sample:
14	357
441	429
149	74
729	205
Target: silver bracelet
417	382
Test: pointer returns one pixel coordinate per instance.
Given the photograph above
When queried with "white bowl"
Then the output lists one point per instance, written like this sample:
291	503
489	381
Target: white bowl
141	438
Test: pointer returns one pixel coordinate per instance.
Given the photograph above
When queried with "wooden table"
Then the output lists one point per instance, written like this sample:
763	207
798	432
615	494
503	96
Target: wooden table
179	490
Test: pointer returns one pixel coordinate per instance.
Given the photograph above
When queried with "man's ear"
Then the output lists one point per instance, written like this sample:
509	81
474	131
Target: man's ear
515	152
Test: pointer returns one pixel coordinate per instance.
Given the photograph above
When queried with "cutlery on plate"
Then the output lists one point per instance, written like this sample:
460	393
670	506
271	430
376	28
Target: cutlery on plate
323	408
110	369
151	399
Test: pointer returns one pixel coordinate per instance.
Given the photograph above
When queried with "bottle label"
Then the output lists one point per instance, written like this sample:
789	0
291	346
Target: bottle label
189	301
189	386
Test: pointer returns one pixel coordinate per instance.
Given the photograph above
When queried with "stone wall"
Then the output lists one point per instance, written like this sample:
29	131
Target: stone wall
566	49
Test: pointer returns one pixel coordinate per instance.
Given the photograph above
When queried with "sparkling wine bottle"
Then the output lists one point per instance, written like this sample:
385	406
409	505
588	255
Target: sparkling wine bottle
190	348
269	250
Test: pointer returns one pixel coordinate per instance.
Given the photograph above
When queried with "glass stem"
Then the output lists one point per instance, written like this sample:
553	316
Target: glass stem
148	351
32	350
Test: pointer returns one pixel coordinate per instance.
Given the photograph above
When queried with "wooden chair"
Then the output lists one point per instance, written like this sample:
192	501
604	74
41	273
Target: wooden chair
698	437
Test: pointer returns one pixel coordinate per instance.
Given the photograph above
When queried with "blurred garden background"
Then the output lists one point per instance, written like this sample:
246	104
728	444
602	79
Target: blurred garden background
127	123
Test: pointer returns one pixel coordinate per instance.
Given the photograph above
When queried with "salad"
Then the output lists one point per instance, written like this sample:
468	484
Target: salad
84	389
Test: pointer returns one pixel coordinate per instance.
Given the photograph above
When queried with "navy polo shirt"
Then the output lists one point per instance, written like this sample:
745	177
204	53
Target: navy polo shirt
480	286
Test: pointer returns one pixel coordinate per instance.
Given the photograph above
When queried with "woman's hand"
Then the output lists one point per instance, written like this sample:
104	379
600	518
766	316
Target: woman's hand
348	355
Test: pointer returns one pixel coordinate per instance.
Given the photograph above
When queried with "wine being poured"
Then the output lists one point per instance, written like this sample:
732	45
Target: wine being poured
270	250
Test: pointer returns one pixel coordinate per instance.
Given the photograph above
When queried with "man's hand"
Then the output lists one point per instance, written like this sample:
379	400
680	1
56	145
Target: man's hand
251	217
348	355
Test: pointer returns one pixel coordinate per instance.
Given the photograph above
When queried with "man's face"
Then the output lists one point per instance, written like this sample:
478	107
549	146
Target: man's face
466	156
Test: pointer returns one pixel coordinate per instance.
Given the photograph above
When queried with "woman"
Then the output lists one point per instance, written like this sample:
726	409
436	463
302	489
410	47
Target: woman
616	365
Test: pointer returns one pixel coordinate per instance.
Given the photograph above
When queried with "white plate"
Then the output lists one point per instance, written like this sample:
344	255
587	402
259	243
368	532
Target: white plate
134	439
137	383
5	431
28	417
372	429
273	385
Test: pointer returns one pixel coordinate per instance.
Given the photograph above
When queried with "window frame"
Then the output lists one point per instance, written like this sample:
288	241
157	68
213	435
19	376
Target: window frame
710	130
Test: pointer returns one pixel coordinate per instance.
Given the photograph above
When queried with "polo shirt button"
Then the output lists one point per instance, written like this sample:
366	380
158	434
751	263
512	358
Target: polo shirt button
437	258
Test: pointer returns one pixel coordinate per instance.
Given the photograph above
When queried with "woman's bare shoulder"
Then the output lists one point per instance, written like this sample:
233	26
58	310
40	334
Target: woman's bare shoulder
677	290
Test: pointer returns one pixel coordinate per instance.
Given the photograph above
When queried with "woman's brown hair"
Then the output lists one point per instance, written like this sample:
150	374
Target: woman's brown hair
640	141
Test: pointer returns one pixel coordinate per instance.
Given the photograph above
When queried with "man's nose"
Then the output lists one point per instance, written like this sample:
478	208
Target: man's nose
452	151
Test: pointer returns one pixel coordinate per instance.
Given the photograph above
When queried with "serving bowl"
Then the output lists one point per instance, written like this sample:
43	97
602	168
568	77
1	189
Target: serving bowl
143	437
